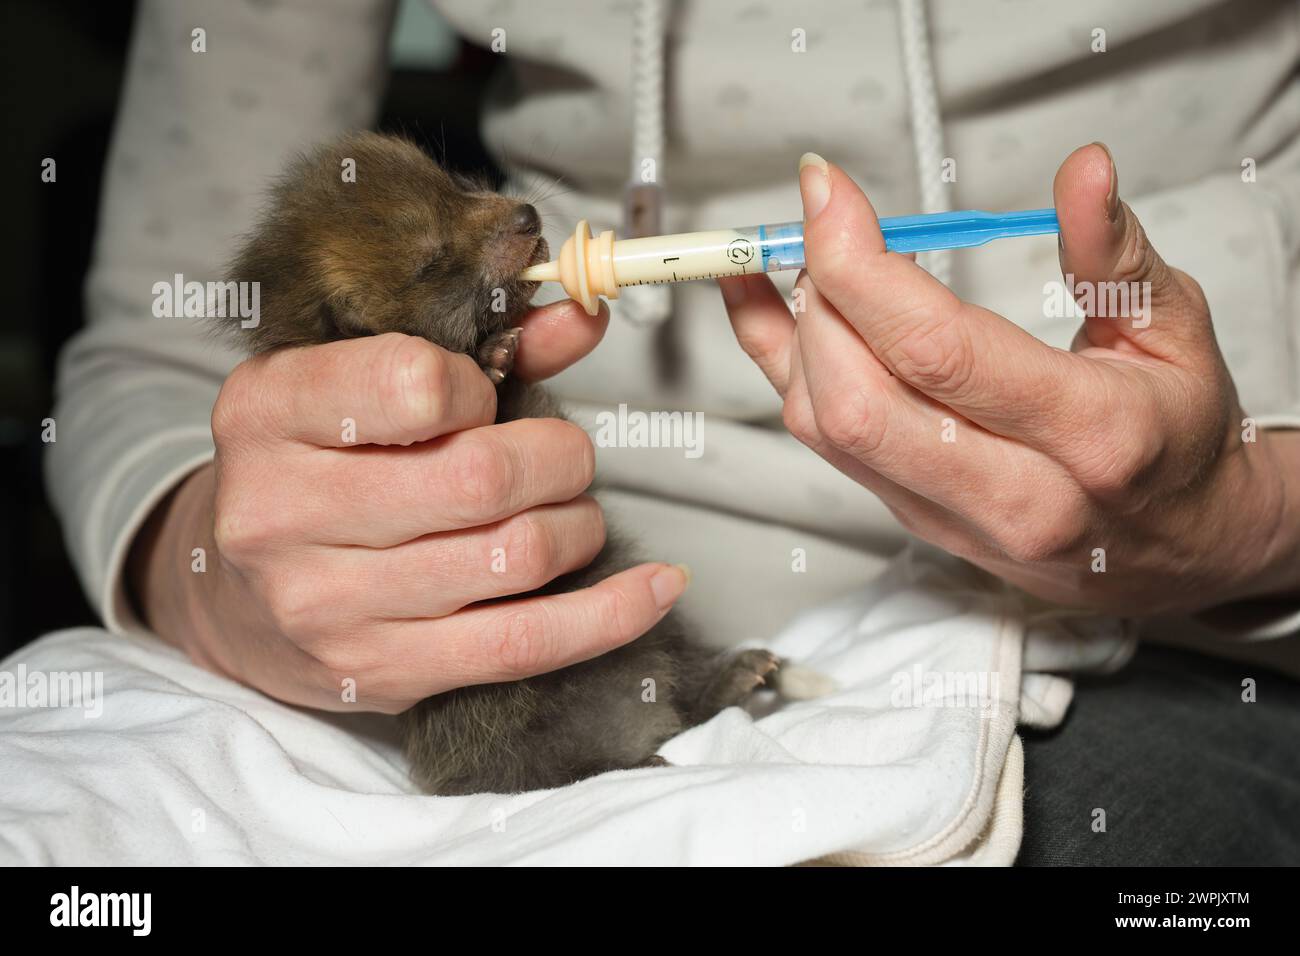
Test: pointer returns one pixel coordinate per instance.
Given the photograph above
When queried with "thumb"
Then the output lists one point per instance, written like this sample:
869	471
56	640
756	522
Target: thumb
1131	297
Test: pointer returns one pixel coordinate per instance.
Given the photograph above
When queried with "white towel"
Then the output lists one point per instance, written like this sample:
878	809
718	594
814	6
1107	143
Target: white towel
913	759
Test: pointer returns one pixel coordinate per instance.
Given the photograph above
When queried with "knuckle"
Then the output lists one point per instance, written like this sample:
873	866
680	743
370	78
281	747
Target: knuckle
598	532
1137	257
1028	546
581	452
854	422
1041	541
837	259
342	659
237	531
1114	468
230	412
934	356
521	645
228	534
617	615
589	536
759	344
223	421
1112	475
416	385
250	519
481	475
294	603
531	549
336	658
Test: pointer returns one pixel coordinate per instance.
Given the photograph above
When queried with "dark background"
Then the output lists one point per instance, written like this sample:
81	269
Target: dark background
63	64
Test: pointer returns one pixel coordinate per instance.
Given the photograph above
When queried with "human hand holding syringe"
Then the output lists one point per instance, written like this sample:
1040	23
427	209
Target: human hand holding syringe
1031	461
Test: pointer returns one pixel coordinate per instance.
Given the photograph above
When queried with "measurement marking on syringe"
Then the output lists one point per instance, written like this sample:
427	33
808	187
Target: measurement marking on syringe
688	278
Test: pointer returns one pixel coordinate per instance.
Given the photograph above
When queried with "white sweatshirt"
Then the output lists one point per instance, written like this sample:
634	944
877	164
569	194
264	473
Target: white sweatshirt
1184	94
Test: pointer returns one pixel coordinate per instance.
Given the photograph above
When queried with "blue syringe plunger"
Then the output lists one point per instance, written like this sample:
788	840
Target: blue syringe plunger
968	227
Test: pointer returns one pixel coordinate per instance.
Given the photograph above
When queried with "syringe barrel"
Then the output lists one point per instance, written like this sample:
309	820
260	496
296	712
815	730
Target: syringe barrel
709	255
591	266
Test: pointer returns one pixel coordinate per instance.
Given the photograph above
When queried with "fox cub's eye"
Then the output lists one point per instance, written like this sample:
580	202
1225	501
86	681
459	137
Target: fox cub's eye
437	266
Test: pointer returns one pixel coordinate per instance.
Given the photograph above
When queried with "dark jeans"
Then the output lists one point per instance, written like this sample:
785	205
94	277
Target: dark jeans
1186	772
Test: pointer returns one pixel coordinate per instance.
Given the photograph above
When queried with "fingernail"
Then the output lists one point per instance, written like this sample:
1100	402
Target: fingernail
668	584
1112	195
814	184
734	291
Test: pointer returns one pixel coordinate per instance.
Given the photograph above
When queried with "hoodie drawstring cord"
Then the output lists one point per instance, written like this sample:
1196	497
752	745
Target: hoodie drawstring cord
643	198
927	130
643	208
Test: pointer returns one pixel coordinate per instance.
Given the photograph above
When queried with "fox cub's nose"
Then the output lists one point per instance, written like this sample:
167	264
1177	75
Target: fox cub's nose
525	221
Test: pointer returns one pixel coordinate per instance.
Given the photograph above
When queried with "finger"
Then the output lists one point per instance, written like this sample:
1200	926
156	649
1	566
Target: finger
511	640
379	498
929	455
801	420
979	536
1118	277
438	574
555	336
969	359
388	389
762	322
